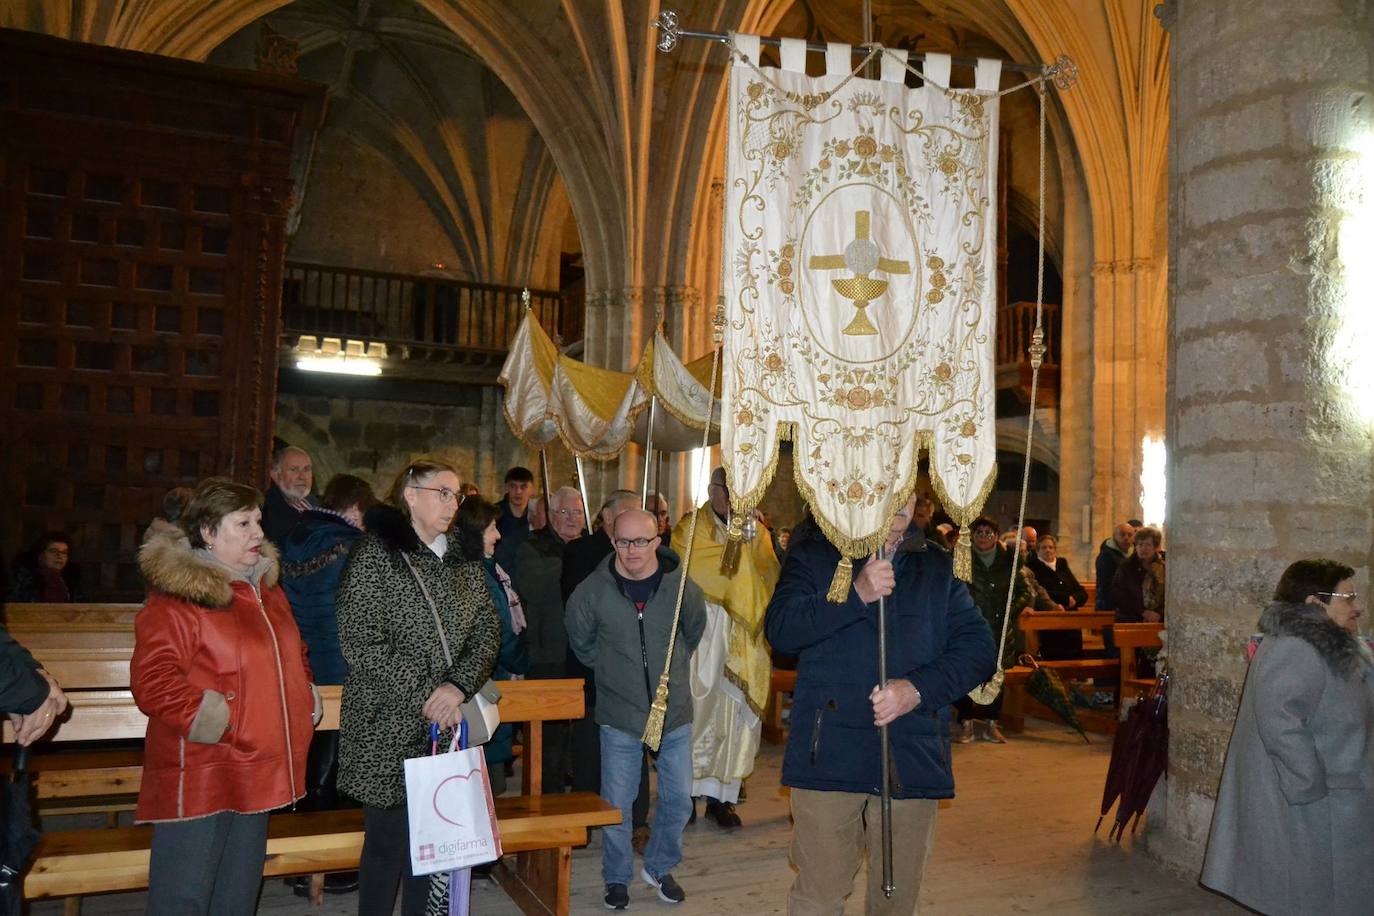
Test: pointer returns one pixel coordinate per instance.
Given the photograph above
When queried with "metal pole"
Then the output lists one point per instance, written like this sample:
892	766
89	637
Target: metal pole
671	34
544	472
883	748
649	450
582	488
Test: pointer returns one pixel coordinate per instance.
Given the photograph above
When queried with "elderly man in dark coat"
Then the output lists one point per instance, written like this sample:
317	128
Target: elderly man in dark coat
537	575
939	648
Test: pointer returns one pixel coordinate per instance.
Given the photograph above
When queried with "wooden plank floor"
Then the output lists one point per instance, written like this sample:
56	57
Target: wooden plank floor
988	858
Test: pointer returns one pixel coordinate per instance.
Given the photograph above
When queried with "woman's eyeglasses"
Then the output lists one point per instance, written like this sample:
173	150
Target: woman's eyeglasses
445	494
1351	596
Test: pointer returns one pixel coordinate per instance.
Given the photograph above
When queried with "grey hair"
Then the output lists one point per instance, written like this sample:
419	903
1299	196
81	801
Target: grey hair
558	497
280	457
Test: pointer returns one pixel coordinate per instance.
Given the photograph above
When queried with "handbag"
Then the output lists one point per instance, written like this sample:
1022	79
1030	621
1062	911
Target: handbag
480	712
449	810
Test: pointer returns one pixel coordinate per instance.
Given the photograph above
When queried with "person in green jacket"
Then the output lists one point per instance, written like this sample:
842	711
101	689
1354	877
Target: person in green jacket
995	569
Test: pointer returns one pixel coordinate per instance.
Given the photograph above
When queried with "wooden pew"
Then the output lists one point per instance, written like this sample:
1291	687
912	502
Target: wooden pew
1017	705
782	681
541	830
1130	639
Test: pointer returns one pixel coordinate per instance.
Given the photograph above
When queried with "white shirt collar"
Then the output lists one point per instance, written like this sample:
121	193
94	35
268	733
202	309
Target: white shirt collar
439	545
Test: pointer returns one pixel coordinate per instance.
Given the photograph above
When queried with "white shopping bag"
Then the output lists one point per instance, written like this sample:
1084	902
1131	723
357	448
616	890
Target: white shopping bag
452	819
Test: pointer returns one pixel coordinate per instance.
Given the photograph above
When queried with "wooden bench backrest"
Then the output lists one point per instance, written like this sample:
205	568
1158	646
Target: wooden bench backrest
47	616
1044	621
1138	635
99	715
1066	620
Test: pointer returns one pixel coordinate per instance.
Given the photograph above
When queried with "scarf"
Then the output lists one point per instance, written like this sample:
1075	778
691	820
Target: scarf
517	610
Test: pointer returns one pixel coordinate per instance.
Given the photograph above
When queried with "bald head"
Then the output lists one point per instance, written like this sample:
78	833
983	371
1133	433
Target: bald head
1124	535
634	535
719	493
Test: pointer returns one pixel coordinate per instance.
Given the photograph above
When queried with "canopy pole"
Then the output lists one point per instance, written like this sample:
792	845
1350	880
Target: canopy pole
649	449
670	33
544	473
582	488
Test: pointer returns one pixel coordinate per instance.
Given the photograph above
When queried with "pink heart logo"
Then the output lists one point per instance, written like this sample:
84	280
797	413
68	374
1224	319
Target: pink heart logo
452	801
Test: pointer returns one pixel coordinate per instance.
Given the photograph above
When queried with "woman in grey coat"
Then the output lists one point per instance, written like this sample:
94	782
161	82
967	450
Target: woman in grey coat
1293	829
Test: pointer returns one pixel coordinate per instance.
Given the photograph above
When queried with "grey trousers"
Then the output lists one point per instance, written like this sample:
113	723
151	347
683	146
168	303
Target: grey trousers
829	833
207	866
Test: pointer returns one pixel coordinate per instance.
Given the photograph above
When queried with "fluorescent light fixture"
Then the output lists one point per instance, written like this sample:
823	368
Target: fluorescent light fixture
1153	458
338	365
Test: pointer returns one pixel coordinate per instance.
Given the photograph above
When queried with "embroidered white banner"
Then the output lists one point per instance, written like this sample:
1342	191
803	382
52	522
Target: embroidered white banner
860	293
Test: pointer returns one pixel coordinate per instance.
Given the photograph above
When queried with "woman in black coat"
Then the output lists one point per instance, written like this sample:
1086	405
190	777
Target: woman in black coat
1055	577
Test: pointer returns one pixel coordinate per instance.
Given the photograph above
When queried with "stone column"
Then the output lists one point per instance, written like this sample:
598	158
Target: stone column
1272	235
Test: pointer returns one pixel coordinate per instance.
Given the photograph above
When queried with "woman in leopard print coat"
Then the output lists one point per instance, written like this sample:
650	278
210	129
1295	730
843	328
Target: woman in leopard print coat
399	680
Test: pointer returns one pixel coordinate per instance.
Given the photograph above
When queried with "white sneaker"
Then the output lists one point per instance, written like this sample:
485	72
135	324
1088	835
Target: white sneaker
992	733
966	733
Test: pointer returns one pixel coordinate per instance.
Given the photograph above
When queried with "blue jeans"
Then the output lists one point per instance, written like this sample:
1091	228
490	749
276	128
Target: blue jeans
621	756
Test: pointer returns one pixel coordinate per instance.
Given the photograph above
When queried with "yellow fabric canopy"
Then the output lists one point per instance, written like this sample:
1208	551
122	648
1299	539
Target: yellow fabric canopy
596	411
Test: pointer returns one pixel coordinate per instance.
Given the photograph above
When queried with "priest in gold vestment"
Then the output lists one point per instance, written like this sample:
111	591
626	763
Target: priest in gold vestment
732	666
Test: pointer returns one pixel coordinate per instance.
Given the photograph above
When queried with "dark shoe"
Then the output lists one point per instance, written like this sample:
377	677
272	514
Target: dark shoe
482	872
300	885
617	897
723	813
693	818
343	882
669	891
640	839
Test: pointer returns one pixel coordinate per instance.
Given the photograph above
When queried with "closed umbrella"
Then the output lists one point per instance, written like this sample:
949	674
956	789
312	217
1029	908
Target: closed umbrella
19	836
1045	686
1146	758
1140	755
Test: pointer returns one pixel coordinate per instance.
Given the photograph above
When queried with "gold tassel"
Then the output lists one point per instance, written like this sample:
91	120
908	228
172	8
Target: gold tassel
839	586
658	714
729	557
963	555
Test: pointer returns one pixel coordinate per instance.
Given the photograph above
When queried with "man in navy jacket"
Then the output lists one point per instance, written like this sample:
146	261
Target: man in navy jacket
939	648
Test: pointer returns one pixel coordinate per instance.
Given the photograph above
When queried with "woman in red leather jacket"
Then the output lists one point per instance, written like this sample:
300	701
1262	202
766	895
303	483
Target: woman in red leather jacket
220	670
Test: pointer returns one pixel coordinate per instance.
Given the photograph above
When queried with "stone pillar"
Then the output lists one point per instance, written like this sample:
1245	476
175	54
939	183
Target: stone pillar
1272	234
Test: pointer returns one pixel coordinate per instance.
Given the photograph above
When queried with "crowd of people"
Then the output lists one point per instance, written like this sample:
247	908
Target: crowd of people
413	599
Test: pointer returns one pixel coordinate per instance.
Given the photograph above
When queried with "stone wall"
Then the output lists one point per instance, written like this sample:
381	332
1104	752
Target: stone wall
1272	225
374	438
361	212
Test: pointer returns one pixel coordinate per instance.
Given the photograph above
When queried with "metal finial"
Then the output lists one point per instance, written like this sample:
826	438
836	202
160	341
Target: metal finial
525	298
667	24
1037	348
1063	71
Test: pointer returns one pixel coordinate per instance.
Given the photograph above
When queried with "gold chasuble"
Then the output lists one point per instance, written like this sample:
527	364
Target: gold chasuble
732	666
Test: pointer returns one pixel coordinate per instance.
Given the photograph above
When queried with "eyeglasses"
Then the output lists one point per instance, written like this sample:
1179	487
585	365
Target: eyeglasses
1350	596
626	543
445	494
568	513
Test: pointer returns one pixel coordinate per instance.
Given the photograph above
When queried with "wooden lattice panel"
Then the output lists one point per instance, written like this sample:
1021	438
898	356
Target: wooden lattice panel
139	288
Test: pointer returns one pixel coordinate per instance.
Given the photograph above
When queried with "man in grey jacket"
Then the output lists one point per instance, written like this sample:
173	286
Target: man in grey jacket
620	620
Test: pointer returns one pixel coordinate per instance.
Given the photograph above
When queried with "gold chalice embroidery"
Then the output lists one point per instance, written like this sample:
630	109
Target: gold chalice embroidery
861	258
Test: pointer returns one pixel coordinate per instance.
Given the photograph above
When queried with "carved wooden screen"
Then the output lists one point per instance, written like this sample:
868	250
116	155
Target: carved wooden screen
140	276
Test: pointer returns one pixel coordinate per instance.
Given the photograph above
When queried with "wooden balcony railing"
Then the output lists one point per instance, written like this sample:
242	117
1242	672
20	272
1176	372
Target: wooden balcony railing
1015	325
410	313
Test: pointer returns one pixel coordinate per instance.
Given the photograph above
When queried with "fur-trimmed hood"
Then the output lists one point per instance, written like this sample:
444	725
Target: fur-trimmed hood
171	565
1342	651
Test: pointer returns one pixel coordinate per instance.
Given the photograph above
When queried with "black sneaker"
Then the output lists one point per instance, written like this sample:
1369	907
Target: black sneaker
617	897
669	891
